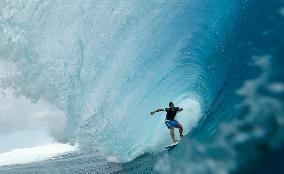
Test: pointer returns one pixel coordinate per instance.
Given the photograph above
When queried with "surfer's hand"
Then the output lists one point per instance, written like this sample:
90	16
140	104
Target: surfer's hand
152	112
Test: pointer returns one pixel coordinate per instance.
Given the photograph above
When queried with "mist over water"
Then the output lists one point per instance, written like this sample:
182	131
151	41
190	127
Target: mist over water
107	64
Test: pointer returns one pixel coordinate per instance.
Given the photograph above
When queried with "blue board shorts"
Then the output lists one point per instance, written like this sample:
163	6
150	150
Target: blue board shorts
172	124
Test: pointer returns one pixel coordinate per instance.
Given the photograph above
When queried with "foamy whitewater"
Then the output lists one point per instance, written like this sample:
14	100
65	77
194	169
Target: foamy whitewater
107	64
35	154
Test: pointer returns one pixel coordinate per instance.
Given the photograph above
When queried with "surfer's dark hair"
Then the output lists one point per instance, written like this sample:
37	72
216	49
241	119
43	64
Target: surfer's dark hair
171	103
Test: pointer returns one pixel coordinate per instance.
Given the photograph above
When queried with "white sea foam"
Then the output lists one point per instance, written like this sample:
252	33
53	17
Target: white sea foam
276	87
112	159
35	154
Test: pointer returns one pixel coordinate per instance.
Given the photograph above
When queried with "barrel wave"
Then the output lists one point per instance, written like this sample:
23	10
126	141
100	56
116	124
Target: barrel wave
108	64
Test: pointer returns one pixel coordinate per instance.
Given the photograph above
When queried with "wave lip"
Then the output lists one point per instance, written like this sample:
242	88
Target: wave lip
36	154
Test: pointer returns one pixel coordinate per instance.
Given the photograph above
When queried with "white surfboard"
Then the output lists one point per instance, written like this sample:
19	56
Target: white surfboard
171	146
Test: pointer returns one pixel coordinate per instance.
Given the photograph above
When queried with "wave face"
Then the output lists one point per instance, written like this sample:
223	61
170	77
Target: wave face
107	64
242	129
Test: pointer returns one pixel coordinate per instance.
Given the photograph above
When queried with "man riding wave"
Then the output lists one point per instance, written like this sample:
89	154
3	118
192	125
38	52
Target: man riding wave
170	121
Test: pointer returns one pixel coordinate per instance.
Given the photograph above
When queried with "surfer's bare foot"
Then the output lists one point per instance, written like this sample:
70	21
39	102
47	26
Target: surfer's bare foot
181	136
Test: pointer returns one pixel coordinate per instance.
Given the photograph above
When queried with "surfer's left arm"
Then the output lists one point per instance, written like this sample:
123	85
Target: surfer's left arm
180	109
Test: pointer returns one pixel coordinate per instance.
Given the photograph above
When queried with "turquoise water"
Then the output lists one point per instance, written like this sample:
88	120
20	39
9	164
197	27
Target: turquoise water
107	64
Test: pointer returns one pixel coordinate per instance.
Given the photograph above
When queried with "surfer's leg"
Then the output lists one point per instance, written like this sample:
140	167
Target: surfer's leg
173	135
180	128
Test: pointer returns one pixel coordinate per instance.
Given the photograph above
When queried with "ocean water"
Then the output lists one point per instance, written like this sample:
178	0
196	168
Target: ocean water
107	64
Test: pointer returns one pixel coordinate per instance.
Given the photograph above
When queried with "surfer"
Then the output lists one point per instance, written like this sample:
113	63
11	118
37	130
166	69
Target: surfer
170	121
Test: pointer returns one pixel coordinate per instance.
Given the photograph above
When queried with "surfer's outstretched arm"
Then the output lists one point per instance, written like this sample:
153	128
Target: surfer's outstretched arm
180	109
157	110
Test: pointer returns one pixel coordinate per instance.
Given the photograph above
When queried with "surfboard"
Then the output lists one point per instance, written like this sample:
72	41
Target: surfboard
171	146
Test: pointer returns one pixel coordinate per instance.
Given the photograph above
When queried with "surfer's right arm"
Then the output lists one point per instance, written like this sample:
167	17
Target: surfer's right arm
157	110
